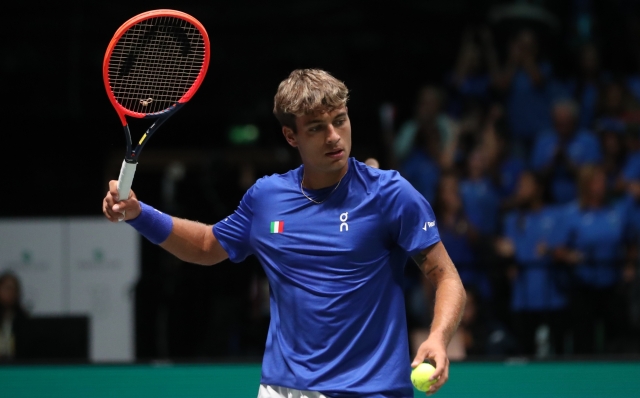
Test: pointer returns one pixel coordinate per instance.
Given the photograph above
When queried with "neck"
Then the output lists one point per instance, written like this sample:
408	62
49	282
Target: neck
315	179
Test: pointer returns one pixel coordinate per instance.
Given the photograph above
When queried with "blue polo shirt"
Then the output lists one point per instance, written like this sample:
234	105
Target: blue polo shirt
336	272
583	148
536	286
422	172
529	106
481	203
601	236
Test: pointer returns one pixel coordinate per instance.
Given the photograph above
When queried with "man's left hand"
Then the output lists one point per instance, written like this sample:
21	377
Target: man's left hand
434	350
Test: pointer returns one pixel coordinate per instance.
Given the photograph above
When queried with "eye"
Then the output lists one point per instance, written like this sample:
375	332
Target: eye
339	122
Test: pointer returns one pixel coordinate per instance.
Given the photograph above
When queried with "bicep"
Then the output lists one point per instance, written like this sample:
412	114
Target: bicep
435	263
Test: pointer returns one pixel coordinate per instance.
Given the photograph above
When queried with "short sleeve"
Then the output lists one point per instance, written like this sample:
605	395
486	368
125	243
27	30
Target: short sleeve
233	232
411	221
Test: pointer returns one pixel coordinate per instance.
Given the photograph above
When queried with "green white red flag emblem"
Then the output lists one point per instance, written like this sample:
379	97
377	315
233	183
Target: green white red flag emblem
277	227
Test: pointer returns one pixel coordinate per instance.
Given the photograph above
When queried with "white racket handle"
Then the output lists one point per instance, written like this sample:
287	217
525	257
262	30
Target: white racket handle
127	171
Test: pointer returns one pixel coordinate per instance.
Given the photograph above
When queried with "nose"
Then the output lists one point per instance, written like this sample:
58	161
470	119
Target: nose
332	135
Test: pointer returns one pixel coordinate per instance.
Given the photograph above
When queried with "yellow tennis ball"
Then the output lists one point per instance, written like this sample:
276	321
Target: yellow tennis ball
420	376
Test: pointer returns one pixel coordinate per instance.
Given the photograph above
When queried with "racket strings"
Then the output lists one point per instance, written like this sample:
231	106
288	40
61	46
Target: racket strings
155	63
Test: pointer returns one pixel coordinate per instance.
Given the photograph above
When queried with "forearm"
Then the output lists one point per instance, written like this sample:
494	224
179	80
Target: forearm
192	242
449	305
450	294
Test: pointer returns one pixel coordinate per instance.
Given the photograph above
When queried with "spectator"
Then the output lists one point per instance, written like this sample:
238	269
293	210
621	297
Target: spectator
480	198
537	300
12	315
586	88
476	64
558	153
616	102
526	81
595	242
504	167
611	133
460	236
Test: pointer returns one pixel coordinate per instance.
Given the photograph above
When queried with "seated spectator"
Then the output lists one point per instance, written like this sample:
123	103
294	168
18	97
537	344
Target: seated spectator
480	198
595	242
459	236
12	315
559	152
526	81
537	300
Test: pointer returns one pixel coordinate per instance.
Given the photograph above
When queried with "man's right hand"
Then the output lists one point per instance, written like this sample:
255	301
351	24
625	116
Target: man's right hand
118	210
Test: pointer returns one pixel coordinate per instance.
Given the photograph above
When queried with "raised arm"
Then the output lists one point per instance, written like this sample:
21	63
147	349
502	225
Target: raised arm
449	305
190	241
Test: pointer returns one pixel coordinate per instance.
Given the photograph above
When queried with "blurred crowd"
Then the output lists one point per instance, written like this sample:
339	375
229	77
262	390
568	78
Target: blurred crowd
535	182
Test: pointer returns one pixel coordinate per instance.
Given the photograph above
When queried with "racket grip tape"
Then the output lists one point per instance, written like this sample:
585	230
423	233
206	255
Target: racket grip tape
127	171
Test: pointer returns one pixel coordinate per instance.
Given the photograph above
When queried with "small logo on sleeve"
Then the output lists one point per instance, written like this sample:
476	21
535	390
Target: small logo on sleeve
277	227
429	224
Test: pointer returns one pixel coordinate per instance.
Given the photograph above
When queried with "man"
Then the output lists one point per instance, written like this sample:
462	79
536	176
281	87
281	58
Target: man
558	153
333	237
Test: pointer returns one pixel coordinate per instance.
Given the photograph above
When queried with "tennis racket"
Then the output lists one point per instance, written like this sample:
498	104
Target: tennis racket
153	66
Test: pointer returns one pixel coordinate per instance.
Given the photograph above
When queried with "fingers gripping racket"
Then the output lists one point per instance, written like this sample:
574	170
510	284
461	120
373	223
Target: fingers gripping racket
154	64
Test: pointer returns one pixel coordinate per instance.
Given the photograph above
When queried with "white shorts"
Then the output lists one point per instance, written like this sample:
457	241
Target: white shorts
283	392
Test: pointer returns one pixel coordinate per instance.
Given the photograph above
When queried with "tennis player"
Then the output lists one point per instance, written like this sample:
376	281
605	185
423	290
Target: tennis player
333	237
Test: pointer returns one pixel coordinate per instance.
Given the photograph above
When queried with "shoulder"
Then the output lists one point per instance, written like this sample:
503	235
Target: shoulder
272	184
377	179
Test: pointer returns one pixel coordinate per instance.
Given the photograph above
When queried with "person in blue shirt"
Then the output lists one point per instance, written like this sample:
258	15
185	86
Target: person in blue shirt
527	82
558	153
537	297
595	241
333	237
460	236
480	198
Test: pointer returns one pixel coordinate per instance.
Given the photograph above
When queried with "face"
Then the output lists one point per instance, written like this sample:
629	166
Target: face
428	104
563	120
526	187
589	61
477	163
611	143
613	97
323	139
8	293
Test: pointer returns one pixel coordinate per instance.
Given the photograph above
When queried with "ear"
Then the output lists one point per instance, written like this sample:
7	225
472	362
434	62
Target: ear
290	136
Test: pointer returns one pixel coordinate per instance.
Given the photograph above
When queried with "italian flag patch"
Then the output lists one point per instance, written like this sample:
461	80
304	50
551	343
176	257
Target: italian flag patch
277	227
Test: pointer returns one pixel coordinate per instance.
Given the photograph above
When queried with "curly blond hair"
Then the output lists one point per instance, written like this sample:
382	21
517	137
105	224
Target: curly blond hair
307	91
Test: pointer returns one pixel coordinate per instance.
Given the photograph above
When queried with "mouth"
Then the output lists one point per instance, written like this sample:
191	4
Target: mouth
337	154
